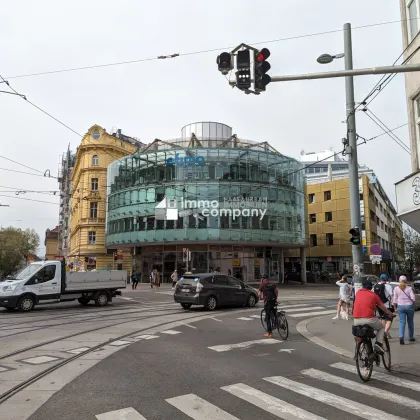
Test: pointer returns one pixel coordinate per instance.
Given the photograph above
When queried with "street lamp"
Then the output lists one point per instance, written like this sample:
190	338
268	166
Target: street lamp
327	58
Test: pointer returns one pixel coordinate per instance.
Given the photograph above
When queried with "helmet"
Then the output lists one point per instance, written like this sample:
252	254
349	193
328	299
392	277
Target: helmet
384	277
264	276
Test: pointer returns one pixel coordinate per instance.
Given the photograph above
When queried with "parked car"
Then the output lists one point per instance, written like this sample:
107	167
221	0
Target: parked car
213	290
394	284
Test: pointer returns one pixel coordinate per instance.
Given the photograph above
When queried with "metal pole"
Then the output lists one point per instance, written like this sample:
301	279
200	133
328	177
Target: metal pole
353	164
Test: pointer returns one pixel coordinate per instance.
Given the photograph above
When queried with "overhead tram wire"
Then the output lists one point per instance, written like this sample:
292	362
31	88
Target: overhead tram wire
28	199
203	51
21	164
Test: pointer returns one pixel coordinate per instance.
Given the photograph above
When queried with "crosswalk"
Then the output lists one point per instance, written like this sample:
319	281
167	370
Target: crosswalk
379	403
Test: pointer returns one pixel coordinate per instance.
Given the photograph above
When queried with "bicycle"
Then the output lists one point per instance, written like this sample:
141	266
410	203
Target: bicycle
278	320
365	353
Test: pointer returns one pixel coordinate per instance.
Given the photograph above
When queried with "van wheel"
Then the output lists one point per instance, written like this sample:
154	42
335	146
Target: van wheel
83	301
251	301
26	304
102	299
186	305
211	303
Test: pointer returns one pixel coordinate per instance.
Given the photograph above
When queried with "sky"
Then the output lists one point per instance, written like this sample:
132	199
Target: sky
156	98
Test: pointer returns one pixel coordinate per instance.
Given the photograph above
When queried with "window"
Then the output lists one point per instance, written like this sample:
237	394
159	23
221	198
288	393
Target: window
377	221
311	198
314	240
328	216
93	213
327	195
234	283
92	238
221	280
95	160
372	216
361	197
94	184
330	239
412	22
45	274
312	218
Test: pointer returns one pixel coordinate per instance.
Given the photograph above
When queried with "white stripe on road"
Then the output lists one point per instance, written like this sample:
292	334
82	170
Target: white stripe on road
358	387
146	337
304	309
312	314
171	332
244	345
293	306
394	380
255	316
124	414
125	298
215	319
199	409
245	319
191	326
352	407
270	404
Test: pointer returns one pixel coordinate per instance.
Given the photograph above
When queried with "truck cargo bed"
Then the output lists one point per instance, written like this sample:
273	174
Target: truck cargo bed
92	280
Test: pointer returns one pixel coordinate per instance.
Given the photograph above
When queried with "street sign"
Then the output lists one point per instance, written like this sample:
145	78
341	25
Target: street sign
80	263
376	259
356	268
375	249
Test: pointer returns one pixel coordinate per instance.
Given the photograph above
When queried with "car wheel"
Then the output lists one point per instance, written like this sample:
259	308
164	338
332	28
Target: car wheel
186	305
26	304
251	301
211	303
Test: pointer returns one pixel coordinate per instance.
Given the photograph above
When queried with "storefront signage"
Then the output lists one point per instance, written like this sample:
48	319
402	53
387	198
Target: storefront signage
185	161
236	263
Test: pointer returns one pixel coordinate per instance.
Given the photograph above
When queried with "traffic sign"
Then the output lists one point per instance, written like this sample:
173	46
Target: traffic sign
375	249
356	268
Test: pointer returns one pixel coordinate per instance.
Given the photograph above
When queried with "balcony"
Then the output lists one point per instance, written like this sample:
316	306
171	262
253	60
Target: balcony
408	200
93	221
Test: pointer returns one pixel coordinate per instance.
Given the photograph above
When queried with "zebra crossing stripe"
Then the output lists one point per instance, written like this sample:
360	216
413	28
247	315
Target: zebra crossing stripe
395	380
352	407
124	414
198	409
358	387
293	306
312	314
272	405
309	308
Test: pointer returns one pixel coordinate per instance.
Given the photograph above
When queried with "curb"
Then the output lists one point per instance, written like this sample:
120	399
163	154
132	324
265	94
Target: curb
303	330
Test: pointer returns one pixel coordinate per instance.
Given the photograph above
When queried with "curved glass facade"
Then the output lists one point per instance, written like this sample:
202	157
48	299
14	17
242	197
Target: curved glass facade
217	189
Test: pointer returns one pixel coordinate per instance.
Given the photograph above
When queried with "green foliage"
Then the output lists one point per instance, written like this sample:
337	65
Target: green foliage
15	245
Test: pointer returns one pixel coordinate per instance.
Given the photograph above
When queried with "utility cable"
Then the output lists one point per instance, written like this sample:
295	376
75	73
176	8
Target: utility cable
21	164
29	199
27	173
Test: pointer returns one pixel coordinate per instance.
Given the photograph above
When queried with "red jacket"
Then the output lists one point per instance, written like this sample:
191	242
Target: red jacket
263	283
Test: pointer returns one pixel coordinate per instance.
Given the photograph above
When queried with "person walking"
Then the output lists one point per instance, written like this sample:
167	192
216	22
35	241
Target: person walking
344	297
134	280
152	278
174	277
404	300
156	279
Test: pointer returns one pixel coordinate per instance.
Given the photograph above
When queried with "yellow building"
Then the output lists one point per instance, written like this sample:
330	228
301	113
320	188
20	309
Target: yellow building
51	243
88	198
329	224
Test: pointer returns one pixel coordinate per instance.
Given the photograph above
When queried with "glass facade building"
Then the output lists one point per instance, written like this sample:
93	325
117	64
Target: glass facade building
234	203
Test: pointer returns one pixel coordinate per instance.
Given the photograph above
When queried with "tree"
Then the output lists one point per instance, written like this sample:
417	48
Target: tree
412	252
15	244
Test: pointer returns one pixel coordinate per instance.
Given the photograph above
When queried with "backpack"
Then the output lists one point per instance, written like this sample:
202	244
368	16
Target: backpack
379	290
269	292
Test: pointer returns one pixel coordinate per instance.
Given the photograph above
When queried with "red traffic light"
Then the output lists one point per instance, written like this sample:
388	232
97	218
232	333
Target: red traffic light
263	55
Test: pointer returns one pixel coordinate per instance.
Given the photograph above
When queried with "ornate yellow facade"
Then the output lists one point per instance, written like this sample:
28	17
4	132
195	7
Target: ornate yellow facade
88	204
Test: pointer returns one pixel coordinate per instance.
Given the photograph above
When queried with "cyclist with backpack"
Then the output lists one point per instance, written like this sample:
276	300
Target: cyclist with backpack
385	292
268	292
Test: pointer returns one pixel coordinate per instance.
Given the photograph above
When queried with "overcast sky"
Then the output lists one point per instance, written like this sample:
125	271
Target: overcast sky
154	99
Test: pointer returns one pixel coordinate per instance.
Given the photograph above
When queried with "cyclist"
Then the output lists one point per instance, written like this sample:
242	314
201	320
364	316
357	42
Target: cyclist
385	292
364	313
268	292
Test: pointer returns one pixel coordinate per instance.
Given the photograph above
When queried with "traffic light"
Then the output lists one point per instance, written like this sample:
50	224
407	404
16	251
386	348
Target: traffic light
261	67
224	63
355	233
243	64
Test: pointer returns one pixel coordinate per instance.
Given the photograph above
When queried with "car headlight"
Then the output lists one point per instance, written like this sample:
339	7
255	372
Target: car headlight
9	288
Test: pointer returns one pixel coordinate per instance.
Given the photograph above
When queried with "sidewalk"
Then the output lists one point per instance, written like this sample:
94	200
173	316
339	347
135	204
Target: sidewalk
336	335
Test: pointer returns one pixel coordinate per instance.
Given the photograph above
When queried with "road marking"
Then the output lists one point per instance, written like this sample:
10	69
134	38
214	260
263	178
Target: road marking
171	332
199	409
244	345
286	350
395	380
124	414
245	319
146	337
215	319
352	407
272	405
255	316
40	359
125	298
312	314
293	306
120	343
78	351
309	308
191	326
358	387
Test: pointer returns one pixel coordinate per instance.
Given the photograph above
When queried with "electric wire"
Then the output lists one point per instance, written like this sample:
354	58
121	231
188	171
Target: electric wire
29	199
21	164
26	173
203	51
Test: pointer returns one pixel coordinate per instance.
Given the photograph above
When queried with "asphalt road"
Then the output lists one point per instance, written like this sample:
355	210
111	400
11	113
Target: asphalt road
214	369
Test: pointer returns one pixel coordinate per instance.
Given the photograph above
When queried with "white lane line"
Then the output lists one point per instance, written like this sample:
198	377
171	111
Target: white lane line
394	380
215	319
120	343
245	319
255	316
171	332
358	387
352	407
294	306
124	414
191	326
125	298
272	405
244	345
312	314
199	409
146	337
304	309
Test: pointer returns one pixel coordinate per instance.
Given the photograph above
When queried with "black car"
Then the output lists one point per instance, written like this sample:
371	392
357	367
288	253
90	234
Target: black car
213	290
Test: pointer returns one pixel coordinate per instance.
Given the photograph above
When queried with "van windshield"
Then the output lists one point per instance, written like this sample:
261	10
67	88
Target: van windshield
27	272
